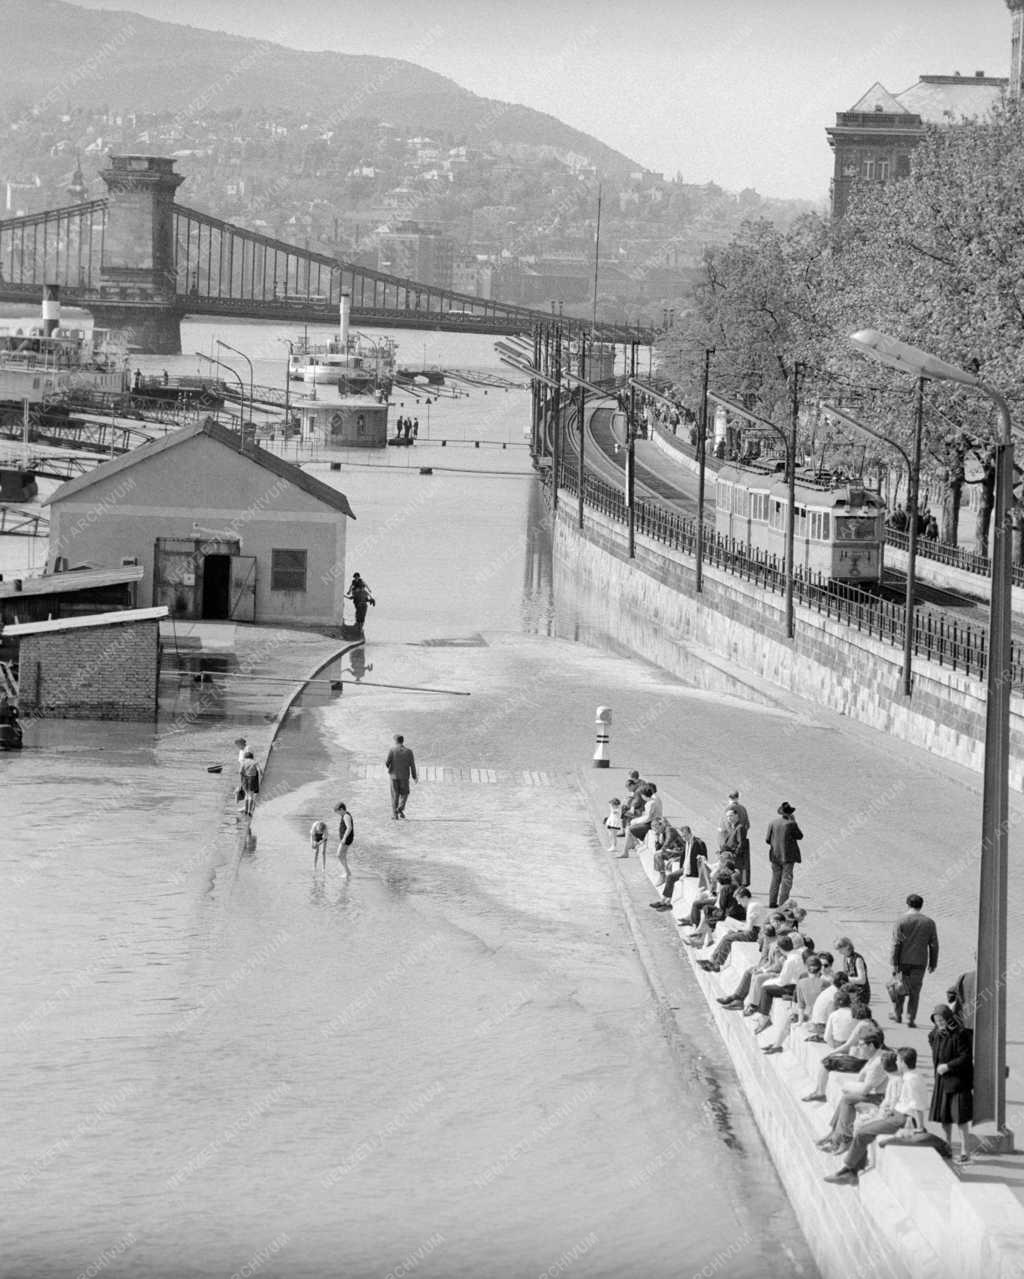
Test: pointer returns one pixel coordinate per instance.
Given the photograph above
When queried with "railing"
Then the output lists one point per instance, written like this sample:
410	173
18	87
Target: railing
936	636
955	556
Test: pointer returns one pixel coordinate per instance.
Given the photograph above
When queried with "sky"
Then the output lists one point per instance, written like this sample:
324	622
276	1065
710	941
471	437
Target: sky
736	92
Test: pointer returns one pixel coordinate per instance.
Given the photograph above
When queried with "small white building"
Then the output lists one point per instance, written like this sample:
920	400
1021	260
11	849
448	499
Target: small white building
220	532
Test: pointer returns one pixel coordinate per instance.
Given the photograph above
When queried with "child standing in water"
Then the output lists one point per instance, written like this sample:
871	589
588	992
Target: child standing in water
613	822
318	838
346	834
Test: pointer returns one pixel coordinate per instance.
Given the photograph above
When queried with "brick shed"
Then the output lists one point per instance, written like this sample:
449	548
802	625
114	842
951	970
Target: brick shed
101	666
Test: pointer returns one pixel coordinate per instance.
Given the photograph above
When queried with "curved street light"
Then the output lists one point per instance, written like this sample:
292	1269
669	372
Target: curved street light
914	485
990	1010
228	347
241	392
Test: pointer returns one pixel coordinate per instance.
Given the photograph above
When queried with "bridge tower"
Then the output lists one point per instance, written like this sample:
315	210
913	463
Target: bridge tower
138	285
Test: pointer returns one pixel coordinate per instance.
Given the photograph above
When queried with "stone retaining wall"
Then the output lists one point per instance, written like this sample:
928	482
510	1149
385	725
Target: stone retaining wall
650	606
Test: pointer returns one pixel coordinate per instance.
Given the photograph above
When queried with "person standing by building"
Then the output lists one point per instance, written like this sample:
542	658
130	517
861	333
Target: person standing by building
346	834
359	593
915	947
783	840
401	765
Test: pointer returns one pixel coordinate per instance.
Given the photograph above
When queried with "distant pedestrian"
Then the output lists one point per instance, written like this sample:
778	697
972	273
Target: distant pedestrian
952	1046
415	427
931	529
165	378
915	947
783	840
346	834
359	593
401	765
735	835
613	822
318	838
408	429
249	781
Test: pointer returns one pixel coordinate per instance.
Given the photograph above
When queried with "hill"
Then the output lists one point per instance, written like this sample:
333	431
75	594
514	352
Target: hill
60	56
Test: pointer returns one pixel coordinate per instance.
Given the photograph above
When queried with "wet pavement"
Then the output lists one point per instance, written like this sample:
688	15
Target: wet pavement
480	1054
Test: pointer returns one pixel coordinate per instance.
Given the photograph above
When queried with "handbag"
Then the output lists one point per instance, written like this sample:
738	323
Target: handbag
239	794
897	988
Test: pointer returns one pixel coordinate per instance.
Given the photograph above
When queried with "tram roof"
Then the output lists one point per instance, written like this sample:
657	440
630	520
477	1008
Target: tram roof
812	487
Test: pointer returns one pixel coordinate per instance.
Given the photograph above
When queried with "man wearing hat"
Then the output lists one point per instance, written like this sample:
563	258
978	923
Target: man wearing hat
783	840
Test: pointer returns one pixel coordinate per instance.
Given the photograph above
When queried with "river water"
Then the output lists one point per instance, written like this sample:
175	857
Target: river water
449	1066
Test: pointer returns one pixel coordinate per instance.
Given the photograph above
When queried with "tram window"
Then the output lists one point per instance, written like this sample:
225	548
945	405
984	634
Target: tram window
819	526
759	507
800	529
740	500
777	515
723	495
856	528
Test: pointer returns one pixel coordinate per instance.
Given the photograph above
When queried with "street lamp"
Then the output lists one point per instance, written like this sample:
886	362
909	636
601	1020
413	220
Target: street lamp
990	1010
241	392
914	485
235	349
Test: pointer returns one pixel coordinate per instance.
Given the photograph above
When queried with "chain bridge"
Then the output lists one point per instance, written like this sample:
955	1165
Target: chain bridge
139	261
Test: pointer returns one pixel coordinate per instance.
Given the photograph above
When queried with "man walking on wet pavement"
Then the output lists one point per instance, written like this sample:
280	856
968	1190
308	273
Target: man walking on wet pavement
915	947
783	840
401	766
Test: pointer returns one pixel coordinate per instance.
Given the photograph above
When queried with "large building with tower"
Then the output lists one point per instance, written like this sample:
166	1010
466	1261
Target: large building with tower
875	139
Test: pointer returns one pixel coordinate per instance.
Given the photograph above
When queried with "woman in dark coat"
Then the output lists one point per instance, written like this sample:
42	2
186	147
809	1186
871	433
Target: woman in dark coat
952	1056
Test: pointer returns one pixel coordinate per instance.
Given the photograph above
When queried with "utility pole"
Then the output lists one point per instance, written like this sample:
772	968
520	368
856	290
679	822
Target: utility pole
556	410
582	423
631	453
702	462
791	510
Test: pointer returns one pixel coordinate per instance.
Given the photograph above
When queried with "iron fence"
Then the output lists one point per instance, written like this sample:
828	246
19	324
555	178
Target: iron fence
956	556
936	636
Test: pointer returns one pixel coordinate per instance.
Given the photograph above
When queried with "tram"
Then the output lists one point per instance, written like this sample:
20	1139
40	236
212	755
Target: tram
838	531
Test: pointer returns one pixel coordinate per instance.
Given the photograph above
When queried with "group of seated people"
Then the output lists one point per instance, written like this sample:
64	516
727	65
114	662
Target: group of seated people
829	993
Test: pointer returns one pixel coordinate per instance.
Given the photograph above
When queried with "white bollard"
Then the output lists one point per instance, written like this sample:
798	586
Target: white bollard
603	720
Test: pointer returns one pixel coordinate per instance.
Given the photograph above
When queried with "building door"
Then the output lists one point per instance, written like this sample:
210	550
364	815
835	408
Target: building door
216	587
243	588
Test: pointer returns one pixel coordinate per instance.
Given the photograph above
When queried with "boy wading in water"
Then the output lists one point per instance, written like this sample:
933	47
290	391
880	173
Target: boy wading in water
318	838
346	834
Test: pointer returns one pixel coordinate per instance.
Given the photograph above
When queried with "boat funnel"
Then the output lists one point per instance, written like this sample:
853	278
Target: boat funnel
344	307
51	308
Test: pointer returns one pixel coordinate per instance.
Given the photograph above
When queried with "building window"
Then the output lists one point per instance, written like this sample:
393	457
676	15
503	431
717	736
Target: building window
287	570
903	166
883	170
868	170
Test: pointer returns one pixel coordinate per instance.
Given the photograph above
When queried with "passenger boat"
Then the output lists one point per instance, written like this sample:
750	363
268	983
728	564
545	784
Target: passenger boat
356	364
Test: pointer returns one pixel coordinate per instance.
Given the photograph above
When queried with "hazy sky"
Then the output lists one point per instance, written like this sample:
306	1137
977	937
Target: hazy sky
732	91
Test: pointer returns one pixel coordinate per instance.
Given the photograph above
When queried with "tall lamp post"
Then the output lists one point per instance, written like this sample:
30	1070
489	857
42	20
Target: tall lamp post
252	388
241	392
990	1012
702	463
914	484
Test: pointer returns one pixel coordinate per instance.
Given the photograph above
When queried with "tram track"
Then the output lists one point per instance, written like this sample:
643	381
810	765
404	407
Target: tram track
604	456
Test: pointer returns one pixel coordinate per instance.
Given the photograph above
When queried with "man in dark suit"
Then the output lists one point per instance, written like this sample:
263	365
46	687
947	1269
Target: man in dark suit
783	840
915	947
401	766
695	850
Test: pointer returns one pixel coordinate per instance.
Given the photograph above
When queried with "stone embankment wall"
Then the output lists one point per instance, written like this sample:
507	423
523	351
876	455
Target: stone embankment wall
650	605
